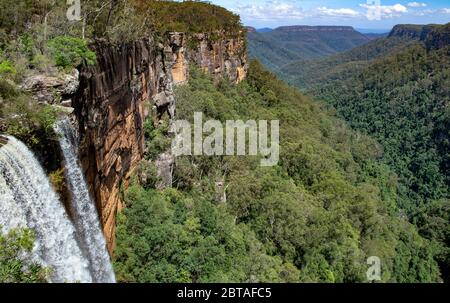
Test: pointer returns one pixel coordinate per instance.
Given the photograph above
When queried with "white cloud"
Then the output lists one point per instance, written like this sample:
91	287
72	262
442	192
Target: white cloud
337	12
271	10
416	4
384	11
285	10
425	12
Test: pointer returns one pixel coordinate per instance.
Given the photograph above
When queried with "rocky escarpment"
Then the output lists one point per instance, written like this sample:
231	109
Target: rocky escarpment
220	57
434	36
127	84
439	37
411	31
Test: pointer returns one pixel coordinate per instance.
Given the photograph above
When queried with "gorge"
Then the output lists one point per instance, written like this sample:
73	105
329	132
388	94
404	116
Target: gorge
87	114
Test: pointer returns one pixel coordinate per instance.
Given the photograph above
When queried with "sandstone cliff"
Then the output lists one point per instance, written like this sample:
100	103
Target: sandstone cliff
117	94
411	31
432	35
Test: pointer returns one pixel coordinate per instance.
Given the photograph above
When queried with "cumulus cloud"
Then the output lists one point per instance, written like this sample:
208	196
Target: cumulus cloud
337	12
426	12
271	10
282	10
384	11
416	4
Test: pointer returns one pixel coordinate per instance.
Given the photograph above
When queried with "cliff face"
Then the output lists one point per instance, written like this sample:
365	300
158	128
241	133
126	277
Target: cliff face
434	36
411	31
221	57
439	37
116	95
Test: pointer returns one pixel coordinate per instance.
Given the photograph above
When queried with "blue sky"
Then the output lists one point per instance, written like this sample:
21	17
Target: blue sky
371	14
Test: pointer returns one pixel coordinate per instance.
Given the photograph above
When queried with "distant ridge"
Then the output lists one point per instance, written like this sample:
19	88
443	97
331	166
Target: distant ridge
285	44
264	30
374	30
307	28
373	36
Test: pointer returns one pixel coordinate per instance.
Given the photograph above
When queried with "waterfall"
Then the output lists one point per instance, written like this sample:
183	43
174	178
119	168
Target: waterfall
86	218
27	200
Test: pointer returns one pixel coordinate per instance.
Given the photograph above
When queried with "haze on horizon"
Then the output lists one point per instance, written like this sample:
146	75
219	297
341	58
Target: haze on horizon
356	13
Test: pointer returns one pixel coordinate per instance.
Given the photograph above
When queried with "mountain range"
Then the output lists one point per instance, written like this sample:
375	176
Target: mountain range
286	44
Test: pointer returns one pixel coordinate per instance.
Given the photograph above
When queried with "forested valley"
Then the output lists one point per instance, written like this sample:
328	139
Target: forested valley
396	90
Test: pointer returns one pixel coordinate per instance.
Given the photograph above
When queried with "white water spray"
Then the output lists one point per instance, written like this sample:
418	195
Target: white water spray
28	200
86	218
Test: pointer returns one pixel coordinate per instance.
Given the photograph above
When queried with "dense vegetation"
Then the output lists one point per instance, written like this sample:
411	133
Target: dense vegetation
31	44
188	16
117	21
285	45
403	101
407	111
397	91
21	118
316	216
307	74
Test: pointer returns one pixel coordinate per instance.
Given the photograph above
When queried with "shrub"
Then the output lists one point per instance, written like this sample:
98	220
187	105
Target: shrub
42	63
6	68
146	175
157	138
57	179
15	247
24	120
69	52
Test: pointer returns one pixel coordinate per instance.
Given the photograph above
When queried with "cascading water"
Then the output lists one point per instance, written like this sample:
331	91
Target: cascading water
86	217
27	200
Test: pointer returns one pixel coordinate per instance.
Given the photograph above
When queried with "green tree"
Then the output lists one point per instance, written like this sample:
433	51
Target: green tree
15	267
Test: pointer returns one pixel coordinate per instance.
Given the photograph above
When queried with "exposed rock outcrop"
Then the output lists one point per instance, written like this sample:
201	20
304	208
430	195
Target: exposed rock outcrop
439	37
411	31
220	57
164	164
434	36
214	53
56	88
116	95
